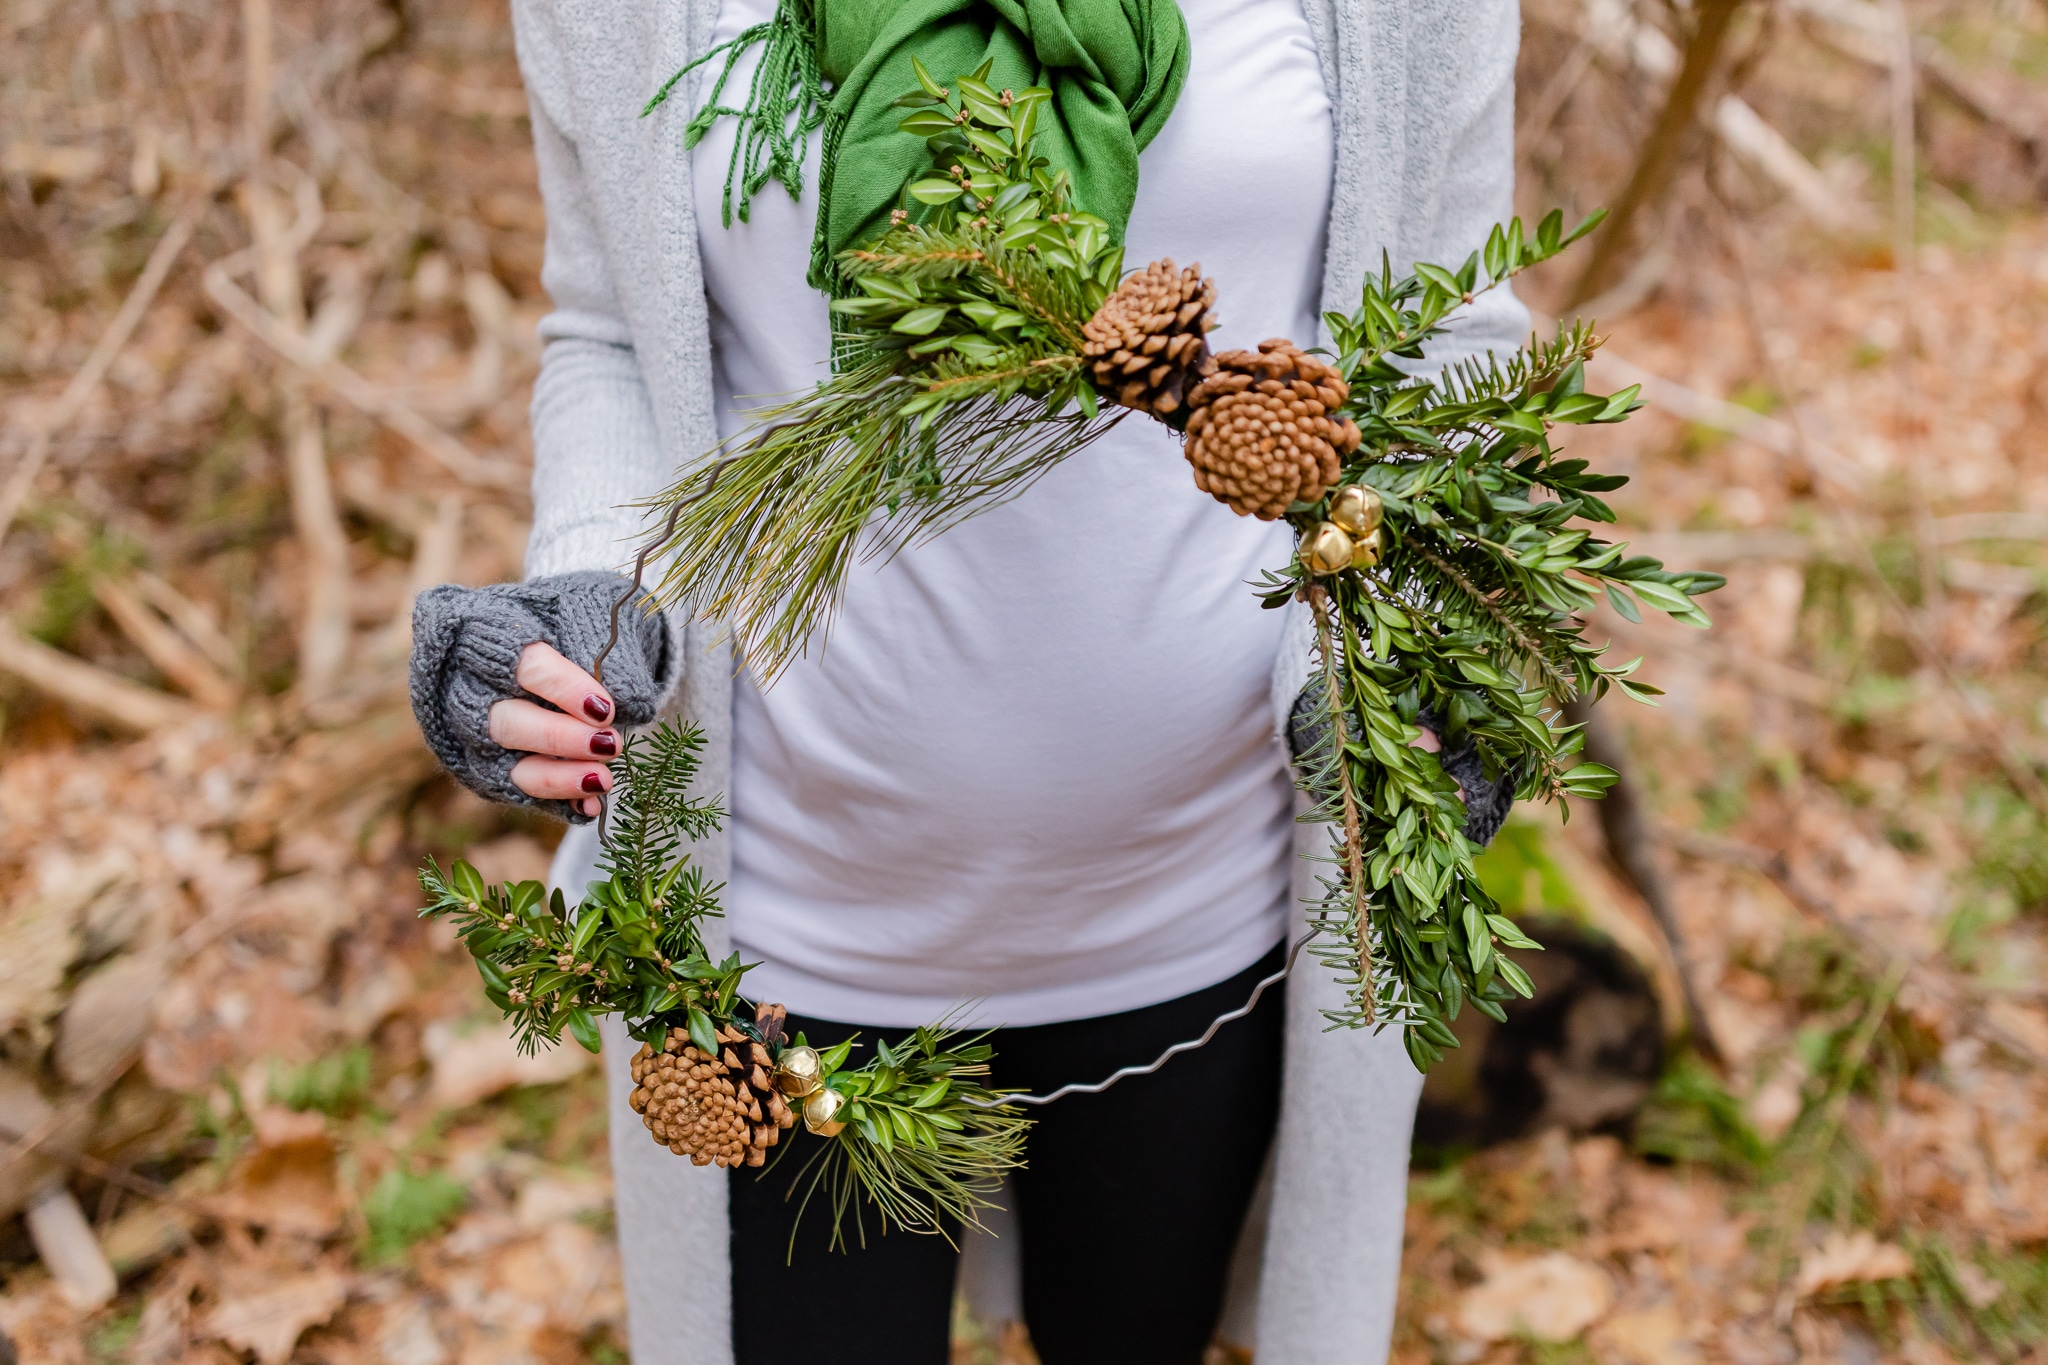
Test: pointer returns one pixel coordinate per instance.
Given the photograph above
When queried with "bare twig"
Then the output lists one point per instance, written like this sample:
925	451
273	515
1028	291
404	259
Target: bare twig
434	556
1663	150
194	621
21	480
1867	32
1905	264
173	656
104	1170
444	449
1720	415
76	683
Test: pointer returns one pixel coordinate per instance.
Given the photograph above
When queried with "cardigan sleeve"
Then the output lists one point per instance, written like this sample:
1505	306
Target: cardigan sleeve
596	445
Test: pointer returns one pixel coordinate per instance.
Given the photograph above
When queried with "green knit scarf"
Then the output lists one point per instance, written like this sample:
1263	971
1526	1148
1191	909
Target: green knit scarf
1115	68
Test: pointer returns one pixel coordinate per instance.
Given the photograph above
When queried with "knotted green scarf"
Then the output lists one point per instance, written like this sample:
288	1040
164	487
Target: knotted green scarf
1115	68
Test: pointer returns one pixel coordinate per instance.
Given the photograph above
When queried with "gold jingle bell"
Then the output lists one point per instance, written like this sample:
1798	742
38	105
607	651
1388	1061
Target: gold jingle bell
800	1071
1357	509
1367	549
821	1112
1328	549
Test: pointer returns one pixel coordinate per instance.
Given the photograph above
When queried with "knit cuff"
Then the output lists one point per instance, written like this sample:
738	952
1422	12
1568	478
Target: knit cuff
465	659
1487	799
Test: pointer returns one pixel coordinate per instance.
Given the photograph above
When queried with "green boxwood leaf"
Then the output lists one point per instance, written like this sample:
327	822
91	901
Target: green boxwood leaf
934	191
921	321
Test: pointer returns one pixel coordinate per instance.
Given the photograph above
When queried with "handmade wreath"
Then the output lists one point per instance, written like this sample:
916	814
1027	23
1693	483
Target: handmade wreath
985	330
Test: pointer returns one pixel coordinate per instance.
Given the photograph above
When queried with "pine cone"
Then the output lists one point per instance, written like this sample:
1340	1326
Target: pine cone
1260	434
1147	343
722	1109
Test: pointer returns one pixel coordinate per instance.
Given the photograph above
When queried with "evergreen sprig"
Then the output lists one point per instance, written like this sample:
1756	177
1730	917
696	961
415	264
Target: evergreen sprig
634	945
1473	614
926	1140
958	381
912	1106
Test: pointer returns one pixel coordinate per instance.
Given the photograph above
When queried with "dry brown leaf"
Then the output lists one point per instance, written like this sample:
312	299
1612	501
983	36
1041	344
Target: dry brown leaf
1552	1297
1645	1336
1850	1258
270	1321
406	1335
38	934
108	1017
288	1183
557	1197
476	1065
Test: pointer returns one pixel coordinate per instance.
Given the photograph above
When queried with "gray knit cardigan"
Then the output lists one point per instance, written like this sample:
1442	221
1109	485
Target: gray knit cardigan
1423	100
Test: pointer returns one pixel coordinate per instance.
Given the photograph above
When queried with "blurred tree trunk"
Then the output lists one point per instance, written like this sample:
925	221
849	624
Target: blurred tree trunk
1663	151
1632	847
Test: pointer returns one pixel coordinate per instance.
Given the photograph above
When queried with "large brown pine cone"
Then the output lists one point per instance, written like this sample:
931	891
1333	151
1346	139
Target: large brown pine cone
1147	345
722	1109
1260	433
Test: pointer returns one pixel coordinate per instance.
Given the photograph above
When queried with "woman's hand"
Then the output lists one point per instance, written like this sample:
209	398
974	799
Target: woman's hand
568	751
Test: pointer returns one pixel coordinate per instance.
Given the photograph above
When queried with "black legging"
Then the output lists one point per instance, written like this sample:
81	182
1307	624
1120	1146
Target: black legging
1129	1204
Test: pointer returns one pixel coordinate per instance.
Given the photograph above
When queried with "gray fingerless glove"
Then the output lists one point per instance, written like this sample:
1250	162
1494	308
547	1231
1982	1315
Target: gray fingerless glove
466	644
1487	800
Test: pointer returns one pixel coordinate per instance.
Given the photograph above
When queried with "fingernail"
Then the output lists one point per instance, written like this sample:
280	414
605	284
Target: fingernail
597	708
604	743
593	783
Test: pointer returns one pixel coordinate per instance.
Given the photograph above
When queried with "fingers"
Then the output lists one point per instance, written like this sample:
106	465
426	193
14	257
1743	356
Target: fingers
546	674
569	748
558	779
529	728
1432	743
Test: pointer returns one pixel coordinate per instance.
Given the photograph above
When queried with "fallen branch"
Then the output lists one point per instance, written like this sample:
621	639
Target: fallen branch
446	451
68	405
76	683
176	659
1865	32
1663	150
193	621
1780	438
324	625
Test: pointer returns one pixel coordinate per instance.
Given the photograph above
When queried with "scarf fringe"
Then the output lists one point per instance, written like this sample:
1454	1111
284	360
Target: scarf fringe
786	103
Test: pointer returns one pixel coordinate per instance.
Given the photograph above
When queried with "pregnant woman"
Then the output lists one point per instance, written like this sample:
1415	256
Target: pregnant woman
1040	773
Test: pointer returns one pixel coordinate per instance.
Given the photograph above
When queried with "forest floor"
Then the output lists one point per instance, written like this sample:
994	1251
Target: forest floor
263	378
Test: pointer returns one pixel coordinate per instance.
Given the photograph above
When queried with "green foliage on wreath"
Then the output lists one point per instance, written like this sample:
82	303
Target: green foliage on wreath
926	1141
1473	613
915	1107
958	381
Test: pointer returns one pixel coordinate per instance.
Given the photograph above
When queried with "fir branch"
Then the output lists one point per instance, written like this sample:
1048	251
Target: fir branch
1529	646
1354	852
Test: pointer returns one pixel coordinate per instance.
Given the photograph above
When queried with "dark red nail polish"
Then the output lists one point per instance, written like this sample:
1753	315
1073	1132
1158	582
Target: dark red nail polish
597	708
593	783
604	744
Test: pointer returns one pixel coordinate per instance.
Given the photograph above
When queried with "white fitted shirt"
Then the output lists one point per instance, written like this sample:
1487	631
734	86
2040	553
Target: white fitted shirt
1033	770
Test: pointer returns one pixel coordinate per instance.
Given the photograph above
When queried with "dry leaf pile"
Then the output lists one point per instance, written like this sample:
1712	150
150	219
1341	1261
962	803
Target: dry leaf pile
266	338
